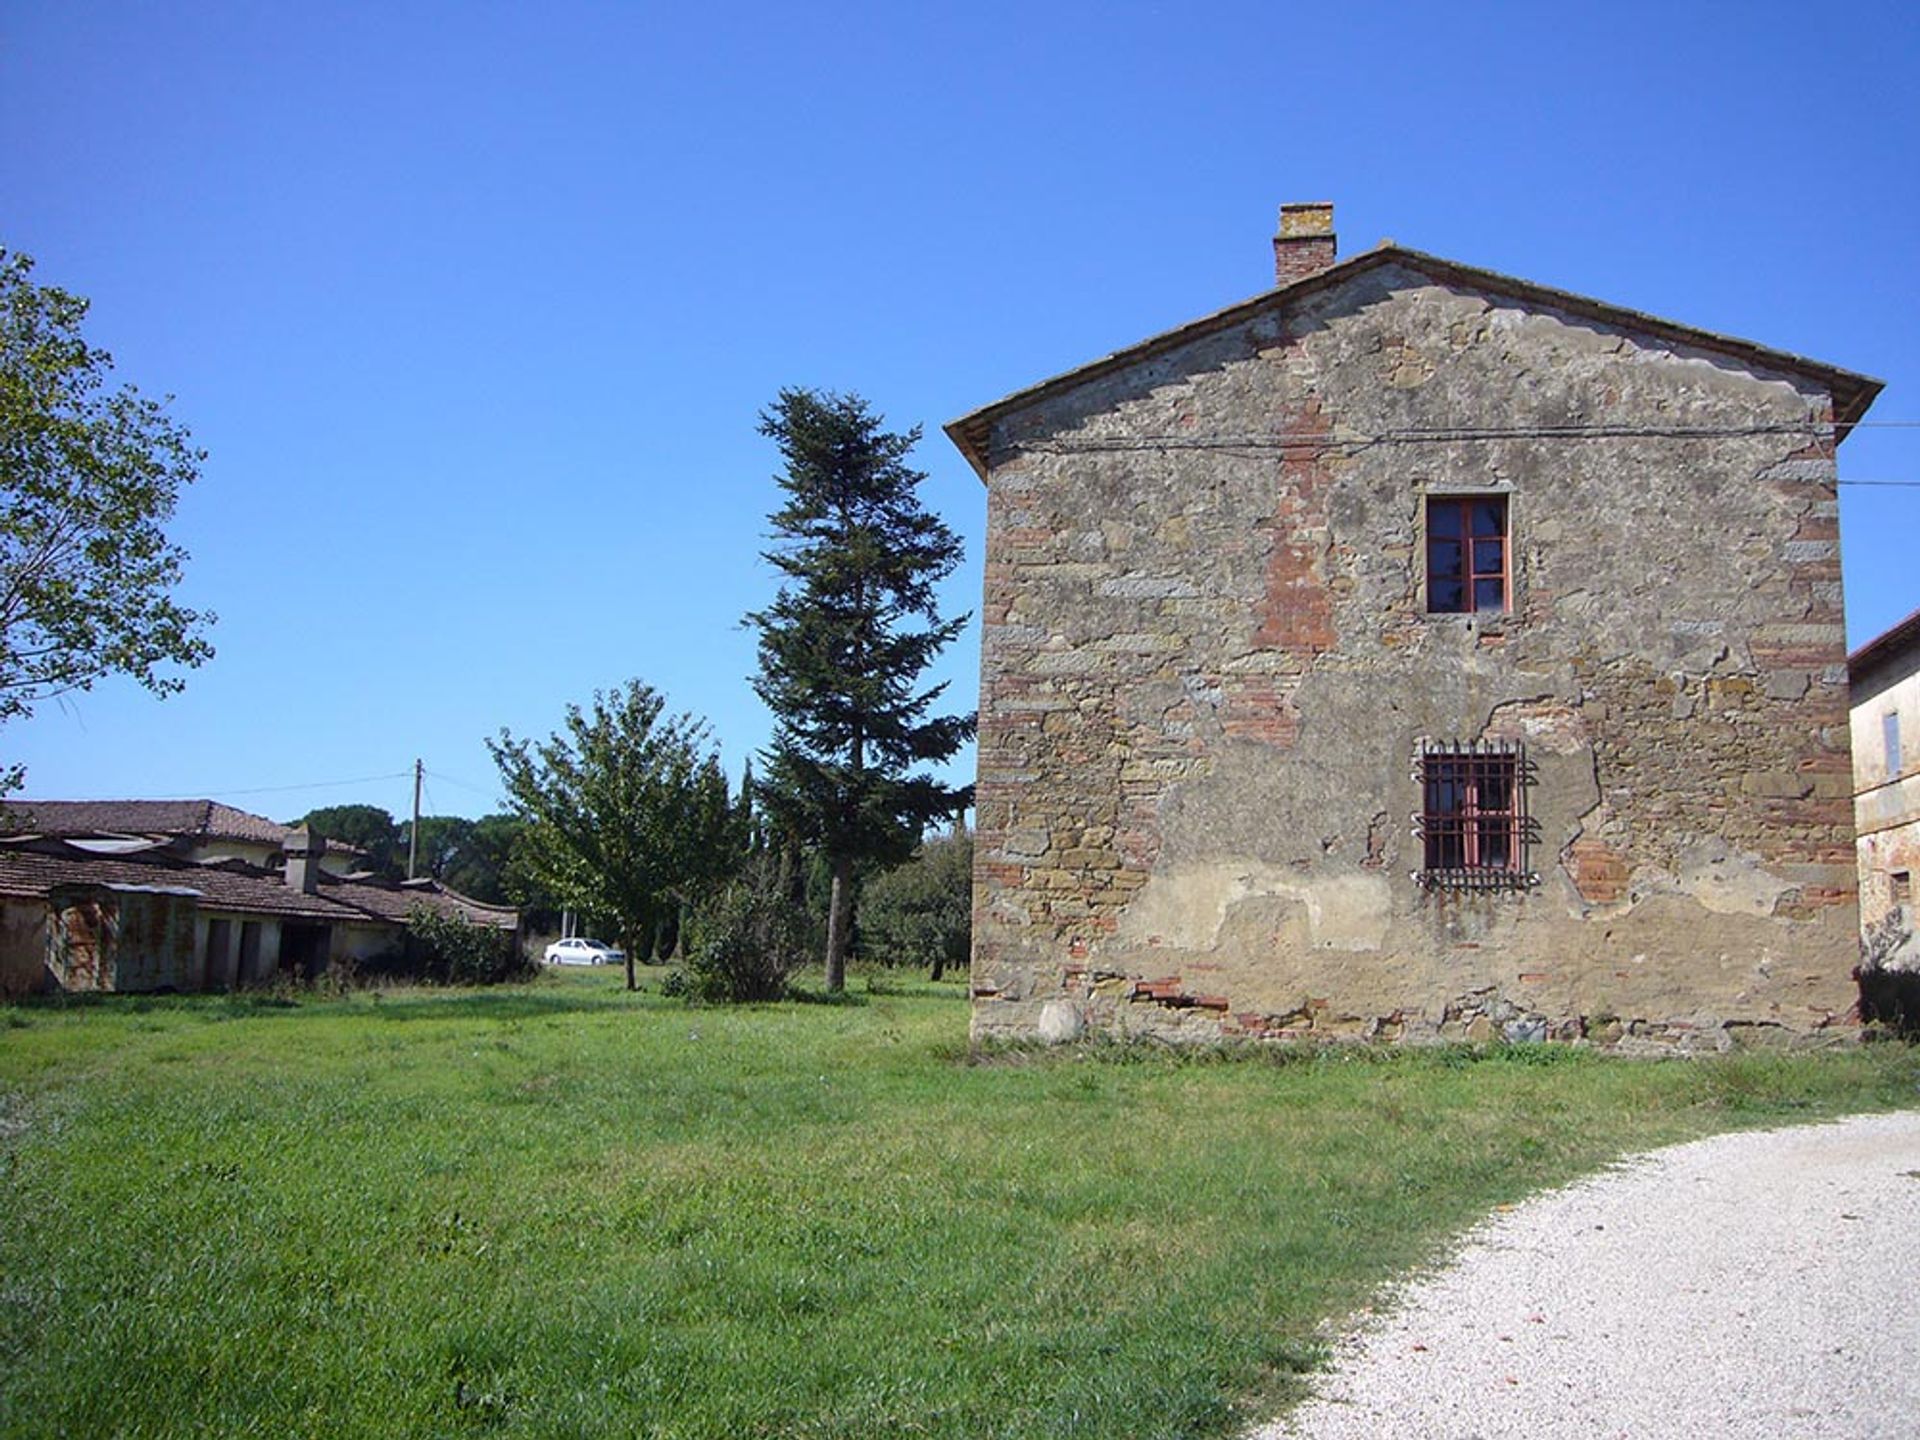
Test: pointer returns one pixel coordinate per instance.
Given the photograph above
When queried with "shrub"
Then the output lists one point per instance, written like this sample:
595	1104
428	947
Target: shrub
450	950
1889	983
921	913
748	939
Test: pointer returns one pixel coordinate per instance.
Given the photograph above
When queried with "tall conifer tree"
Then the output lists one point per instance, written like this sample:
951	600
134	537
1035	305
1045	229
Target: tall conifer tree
844	644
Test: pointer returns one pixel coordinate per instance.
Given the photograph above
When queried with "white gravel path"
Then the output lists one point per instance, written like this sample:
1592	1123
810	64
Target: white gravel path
1750	1285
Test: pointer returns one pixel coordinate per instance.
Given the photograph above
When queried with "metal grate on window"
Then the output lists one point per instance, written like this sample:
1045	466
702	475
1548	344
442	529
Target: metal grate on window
1473	823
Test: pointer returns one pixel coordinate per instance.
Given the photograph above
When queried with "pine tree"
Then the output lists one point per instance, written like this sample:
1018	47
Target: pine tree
844	644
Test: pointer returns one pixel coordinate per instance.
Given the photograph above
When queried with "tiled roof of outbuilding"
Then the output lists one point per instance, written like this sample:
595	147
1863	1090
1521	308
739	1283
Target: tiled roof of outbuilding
33	867
226	885
201	819
395	900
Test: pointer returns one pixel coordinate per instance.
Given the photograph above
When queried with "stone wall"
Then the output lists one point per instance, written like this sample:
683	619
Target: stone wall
1208	667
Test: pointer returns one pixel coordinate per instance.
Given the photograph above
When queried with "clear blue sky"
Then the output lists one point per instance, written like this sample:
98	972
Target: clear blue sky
474	305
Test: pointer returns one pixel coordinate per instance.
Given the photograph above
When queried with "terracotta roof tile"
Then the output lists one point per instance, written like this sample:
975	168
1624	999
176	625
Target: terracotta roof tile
395	900
227	885
199	819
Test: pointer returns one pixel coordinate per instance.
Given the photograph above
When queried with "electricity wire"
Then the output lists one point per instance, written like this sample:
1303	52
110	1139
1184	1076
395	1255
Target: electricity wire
214	791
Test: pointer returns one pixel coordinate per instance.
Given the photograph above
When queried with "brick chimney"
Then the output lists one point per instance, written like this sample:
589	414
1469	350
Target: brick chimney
1305	245
304	849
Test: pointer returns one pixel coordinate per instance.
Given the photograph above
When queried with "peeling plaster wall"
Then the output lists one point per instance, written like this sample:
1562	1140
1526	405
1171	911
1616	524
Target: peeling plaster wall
1207	667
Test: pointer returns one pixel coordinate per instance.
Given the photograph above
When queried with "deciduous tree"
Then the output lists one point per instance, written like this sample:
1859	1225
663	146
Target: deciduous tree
844	645
626	807
89	475
921	913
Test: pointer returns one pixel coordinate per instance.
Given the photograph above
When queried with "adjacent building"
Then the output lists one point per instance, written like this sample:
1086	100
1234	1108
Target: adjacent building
1413	651
1886	805
100	909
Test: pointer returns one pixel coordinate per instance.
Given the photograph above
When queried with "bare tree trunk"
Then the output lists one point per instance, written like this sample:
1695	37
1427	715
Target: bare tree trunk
839	922
632	984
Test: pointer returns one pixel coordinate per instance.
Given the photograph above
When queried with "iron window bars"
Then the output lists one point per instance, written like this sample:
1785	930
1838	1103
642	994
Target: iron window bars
1474	827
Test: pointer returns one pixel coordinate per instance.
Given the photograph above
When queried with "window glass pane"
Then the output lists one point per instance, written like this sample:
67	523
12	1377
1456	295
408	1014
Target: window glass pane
1890	741
1445	850
1443	517
1446	597
1445	558
1495	853
1489	595
1489	517
1496	789
1489	557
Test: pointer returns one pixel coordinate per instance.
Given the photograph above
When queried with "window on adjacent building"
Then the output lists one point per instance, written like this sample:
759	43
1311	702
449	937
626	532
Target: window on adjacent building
1473	822
1890	741
1466	554
1902	885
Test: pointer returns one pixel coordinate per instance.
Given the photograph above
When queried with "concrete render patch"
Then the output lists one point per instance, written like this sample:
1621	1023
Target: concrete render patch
1763	1284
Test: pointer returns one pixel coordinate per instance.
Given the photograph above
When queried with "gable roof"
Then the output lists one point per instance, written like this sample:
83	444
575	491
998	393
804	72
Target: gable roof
1852	393
199	819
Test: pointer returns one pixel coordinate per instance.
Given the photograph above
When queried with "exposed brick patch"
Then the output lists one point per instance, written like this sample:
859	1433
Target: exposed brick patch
1258	709
1598	871
1297	616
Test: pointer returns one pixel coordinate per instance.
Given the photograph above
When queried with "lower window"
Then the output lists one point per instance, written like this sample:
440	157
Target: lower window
1473	822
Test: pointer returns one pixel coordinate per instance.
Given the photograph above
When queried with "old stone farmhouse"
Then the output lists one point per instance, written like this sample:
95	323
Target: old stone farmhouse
1412	651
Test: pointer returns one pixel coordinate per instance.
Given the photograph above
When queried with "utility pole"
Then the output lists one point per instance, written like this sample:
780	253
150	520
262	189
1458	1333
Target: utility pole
413	834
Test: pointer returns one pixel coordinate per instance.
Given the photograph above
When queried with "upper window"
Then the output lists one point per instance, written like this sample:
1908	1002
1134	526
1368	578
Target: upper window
1890	742
1466	554
1473	815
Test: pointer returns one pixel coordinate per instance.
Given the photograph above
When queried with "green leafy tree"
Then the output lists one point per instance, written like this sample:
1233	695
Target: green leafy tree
367	828
621	811
89	475
844	644
440	845
482	867
921	913
471	856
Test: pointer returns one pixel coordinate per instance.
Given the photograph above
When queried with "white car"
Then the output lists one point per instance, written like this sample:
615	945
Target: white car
581	951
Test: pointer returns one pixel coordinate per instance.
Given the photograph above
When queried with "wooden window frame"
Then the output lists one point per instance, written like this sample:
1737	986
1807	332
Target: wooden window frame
1900	887
1474	824
1477	552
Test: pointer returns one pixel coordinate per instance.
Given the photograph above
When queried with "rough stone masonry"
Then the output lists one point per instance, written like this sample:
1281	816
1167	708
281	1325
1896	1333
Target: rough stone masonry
1224	702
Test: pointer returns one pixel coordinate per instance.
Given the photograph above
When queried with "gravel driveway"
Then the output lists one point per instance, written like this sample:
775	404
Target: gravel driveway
1749	1285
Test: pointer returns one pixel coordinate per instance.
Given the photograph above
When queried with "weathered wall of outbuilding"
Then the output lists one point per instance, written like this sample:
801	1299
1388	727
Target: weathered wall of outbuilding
1207	666
1887	803
23	947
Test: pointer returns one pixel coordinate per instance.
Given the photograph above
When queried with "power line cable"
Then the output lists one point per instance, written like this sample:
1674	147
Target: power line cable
463	784
214	791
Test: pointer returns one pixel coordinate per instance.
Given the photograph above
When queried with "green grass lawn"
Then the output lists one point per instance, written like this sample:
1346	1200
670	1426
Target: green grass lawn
562	1210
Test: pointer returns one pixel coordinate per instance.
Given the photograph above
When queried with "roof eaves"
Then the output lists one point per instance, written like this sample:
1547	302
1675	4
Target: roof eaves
1884	646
